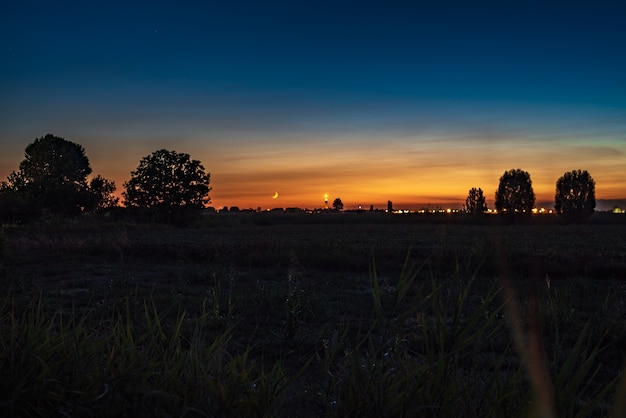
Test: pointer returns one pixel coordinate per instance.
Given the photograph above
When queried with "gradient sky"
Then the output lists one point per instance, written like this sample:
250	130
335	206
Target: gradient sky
414	102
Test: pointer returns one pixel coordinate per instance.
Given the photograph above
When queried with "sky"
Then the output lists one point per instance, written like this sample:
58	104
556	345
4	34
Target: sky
410	101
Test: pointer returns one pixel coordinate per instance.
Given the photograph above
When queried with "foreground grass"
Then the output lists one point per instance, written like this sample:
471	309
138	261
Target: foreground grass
63	365
303	322
437	358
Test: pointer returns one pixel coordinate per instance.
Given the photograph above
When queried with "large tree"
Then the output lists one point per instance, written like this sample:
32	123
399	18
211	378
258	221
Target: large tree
166	182
515	197
51	178
475	202
575	198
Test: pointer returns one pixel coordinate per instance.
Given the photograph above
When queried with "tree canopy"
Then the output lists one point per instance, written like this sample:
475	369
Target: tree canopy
102	193
52	157
475	202
337	204
51	178
515	197
166	181
575	198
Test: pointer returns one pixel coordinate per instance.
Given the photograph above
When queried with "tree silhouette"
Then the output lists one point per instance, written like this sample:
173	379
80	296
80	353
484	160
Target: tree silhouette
168	184
337	204
102	191
52	178
475	202
575	198
515	197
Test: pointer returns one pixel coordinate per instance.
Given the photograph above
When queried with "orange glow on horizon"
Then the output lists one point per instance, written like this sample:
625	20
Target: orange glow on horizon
411	173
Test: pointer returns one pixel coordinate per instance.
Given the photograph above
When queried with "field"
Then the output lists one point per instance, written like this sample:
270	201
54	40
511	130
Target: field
314	315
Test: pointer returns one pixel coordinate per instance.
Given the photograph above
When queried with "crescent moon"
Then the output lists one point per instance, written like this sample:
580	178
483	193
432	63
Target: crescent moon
275	195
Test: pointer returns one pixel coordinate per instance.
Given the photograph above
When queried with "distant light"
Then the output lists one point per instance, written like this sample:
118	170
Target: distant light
401	211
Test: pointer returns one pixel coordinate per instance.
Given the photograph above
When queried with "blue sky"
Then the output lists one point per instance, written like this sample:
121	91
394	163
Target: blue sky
409	101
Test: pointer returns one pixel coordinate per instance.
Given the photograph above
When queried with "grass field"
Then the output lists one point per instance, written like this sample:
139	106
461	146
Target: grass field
313	315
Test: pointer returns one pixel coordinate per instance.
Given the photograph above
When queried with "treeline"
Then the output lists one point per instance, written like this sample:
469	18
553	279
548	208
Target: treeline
52	182
574	199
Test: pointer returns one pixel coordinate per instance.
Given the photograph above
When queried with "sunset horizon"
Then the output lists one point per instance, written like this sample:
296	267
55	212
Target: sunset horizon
411	103
195	204
367	187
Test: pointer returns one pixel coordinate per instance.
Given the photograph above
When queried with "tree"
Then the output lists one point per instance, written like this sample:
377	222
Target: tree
475	202
337	204
168	183
52	178
575	198
102	192
515	197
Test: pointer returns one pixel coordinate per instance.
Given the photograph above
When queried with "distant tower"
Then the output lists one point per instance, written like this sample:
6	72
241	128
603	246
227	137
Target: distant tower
326	200
389	207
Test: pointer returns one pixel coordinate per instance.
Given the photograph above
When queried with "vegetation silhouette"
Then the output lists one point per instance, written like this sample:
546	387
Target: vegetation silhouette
575	198
167	186
475	203
515	197
170	187
52	181
102	191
